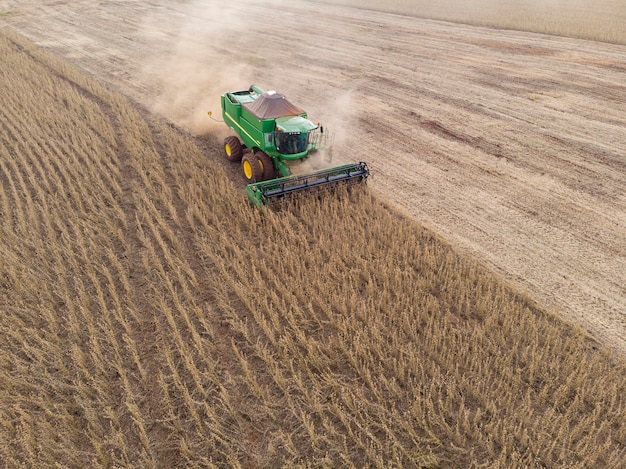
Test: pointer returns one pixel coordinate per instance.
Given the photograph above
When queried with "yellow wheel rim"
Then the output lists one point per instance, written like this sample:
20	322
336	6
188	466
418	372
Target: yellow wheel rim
247	169
229	152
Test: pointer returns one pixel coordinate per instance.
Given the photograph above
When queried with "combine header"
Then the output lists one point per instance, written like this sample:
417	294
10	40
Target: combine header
273	136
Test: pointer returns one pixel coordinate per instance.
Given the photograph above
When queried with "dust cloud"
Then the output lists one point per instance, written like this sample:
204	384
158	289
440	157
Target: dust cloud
338	120
191	73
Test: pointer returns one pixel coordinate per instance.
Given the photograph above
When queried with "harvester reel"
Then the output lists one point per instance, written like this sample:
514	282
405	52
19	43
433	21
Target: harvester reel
252	169
233	148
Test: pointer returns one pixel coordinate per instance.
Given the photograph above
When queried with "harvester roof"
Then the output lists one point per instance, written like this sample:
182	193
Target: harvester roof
271	105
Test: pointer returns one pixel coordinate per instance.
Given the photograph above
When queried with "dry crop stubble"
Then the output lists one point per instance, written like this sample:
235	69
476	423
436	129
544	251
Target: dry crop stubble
145	301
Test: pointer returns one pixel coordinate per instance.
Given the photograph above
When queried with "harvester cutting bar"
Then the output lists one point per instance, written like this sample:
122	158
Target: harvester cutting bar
288	188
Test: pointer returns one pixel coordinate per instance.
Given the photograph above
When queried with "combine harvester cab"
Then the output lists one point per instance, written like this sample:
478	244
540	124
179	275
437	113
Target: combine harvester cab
273	137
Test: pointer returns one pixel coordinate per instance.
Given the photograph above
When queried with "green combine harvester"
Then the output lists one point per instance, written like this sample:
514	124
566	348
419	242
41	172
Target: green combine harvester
273	136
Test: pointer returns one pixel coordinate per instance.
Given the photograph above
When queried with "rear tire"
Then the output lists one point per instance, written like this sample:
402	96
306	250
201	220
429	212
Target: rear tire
267	166
233	148
251	168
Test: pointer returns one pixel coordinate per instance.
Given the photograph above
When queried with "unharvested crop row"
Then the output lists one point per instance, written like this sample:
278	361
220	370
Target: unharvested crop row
68	365
600	21
429	336
143	300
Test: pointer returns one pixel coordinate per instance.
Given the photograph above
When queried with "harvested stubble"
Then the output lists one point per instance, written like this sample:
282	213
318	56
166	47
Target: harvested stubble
152	319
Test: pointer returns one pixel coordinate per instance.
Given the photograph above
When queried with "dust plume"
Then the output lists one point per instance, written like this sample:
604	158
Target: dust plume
191	73
338	115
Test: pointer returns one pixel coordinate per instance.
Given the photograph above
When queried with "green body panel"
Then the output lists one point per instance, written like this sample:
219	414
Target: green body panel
249	129
295	124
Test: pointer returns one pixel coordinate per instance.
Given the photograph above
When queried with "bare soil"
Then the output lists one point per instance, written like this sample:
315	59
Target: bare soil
511	145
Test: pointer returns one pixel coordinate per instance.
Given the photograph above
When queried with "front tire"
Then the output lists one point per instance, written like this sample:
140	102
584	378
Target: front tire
251	168
233	149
